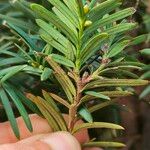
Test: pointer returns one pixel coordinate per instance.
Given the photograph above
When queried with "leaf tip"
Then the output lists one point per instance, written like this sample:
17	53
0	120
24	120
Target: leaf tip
133	10
33	6
105	34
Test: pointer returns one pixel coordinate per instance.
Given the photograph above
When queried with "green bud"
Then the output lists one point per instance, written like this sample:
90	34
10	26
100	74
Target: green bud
87	23
41	67
86	9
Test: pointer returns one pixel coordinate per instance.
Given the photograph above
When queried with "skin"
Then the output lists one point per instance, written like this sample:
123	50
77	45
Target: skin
41	137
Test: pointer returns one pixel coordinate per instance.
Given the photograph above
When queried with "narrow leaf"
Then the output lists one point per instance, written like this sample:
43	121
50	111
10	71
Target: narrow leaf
51	121
62	60
121	28
64	10
107	93
139	39
15	70
110	19
19	23
26	38
63	79
92	3
11	61
19	105
57	115
103	8
102	105
26	101
72	6
126	63
48	38
145	92
98	95
92	46
9	112
52	18
60	100
145	51
86	115
64	19
117	48
104	144
115	82
46	74
49	99
146	75
52	32
96	125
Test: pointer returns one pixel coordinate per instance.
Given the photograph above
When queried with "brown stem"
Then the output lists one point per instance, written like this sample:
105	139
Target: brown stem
137	4
74	106
80	83
72	116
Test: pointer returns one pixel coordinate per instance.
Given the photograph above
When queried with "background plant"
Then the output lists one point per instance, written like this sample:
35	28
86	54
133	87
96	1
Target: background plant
81	52
146	52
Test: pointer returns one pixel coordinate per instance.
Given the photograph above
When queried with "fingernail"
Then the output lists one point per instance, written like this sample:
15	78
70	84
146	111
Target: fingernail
61	141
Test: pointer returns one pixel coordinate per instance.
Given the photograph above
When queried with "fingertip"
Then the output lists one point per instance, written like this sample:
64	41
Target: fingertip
40	126
53	141
61	141
82	136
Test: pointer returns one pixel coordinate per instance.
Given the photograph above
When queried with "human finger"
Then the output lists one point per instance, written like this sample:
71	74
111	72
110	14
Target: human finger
53	141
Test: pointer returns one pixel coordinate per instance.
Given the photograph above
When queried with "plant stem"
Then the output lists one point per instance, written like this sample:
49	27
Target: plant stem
72	116
79	46
77	98
74	106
